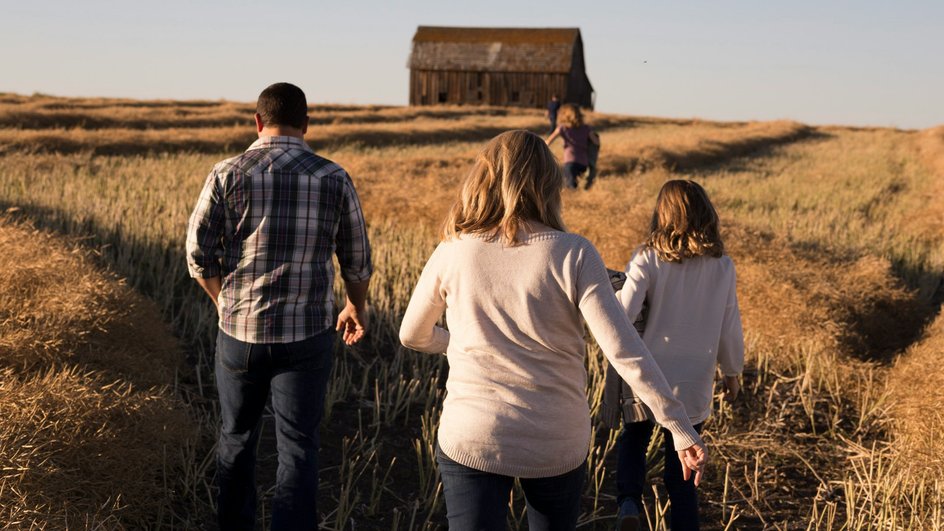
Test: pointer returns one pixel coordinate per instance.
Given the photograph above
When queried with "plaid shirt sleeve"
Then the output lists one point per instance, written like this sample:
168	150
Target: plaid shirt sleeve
205	230
353	248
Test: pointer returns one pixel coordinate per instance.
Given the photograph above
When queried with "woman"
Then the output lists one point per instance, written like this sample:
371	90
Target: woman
514	286
580	141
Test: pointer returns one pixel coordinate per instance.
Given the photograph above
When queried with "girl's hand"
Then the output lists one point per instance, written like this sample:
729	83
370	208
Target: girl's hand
732	387
694	459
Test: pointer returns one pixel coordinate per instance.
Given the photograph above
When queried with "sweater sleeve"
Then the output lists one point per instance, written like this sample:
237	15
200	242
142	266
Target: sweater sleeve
633	294
418	330
731	345
625	350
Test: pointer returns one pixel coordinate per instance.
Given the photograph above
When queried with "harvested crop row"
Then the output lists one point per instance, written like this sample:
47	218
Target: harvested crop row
231	139
90	434
689	147
26	116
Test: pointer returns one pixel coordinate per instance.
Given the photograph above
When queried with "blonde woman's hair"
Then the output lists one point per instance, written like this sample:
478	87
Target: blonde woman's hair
570	116
515	179
684	223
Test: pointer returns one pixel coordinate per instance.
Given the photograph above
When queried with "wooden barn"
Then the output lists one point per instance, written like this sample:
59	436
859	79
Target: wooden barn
521	67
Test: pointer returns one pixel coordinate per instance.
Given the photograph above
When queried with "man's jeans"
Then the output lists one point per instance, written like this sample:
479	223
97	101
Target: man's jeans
631	473
297	374
478	501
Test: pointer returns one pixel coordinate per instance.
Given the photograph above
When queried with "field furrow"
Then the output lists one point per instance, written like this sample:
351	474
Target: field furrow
833	232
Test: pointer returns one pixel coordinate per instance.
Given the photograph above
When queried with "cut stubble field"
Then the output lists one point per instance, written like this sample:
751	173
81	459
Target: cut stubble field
837	244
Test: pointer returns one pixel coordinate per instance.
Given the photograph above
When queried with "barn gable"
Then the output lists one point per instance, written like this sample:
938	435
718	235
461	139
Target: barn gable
497	50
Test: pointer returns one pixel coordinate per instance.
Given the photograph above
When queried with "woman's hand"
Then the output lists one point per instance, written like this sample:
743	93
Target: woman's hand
694	459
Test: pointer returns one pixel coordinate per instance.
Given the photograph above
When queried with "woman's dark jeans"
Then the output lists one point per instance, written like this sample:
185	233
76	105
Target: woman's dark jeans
297	375
478	501
631	474
571	171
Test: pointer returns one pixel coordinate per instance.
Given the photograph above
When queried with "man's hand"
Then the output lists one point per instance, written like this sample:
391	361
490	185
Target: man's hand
694	459
352	323
732	387
212	286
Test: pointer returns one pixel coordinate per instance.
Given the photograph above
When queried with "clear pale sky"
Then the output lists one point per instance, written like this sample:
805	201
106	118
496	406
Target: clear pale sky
863	62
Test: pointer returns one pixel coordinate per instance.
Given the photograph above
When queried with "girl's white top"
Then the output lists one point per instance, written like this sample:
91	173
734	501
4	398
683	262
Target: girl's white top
693	322
516	401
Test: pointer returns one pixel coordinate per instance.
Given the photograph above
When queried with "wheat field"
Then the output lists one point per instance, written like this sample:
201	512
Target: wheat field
837	234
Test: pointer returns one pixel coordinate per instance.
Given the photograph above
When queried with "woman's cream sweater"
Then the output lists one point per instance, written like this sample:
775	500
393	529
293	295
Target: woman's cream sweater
516	400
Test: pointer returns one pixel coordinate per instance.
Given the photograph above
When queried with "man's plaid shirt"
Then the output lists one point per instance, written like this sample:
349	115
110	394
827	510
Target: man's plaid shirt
268	222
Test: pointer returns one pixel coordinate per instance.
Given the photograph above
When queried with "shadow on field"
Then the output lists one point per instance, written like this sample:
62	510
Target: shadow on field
883	307
80	118
709	154
761	150
233	139
349	430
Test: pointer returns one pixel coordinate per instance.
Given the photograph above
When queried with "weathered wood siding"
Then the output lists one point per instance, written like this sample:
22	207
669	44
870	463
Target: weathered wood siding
514	89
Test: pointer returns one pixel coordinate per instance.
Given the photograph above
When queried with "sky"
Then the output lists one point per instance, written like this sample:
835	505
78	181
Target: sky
863	62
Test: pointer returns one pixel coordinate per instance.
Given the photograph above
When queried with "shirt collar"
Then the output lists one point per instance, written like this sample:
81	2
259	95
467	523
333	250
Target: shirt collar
285	142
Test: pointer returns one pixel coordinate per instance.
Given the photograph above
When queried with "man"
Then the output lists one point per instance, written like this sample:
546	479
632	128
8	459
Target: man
552	107
260	242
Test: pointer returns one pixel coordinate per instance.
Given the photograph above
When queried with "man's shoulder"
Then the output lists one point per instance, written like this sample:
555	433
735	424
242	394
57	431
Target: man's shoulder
304	162
322	167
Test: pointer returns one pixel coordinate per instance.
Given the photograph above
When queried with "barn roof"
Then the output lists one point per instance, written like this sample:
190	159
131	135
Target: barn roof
494	49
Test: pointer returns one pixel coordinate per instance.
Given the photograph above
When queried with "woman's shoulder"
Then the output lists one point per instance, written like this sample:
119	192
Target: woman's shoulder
560	242
564	239
575	248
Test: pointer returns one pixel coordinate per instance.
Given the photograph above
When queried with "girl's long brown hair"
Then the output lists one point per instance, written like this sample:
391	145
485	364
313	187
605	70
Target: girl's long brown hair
515	179
684	224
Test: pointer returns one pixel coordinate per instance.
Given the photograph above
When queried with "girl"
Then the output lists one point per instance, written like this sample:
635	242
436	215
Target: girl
580	142
514	285
687	285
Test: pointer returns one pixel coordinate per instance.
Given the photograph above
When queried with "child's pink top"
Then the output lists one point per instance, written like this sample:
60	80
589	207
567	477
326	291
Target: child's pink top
576	144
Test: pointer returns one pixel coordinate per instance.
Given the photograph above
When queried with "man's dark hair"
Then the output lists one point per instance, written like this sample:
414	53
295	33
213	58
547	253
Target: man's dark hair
283	104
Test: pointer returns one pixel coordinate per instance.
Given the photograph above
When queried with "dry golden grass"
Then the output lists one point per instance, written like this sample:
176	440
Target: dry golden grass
926	221
91	434
434	171
833	283
691	145
915	393
122	141
914	388
932	148
70	113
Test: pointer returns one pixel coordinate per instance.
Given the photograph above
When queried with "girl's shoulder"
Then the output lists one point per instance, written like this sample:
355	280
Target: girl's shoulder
720	266
644	255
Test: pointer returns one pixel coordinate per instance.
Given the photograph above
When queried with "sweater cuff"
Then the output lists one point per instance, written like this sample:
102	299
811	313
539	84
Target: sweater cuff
683	435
